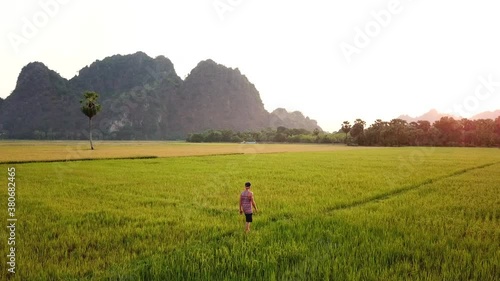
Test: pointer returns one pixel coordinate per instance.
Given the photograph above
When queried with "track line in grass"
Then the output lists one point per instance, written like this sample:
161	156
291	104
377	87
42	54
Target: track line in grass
120	158
144	157
405	189
80	159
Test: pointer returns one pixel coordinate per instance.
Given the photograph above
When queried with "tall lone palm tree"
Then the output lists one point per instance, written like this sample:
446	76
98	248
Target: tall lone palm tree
346	128
90	108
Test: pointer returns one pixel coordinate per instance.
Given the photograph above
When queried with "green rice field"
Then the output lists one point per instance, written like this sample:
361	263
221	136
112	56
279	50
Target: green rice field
413	213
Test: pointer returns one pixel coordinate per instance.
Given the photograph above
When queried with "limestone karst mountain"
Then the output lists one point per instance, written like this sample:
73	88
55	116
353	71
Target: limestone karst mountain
142	98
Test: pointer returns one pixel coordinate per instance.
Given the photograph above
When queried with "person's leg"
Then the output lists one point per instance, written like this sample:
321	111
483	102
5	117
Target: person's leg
248	221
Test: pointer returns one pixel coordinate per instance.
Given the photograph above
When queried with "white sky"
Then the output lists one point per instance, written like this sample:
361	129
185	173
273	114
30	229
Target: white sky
428	54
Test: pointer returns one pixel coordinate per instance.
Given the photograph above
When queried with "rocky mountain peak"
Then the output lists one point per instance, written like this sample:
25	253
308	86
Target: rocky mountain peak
141	97
295	119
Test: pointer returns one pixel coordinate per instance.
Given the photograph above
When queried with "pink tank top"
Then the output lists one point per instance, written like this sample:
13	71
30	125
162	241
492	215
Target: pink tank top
246	201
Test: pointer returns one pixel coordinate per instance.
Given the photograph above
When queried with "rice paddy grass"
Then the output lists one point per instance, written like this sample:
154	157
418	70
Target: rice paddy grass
341	214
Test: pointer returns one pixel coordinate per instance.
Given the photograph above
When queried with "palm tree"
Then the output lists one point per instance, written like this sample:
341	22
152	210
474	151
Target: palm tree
346	128
90	108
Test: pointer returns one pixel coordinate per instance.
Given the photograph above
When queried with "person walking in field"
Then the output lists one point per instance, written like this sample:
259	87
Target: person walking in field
247	201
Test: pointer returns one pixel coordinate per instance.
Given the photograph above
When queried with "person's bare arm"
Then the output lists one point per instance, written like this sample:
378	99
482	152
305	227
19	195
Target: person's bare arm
253	204
241	206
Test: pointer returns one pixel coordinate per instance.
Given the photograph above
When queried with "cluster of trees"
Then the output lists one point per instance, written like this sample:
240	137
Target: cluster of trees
281	134
445	132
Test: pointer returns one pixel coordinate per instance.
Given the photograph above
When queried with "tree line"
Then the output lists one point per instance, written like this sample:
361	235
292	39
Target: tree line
446	131
279	135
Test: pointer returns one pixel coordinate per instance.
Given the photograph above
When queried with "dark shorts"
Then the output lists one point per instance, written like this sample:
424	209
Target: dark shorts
249	217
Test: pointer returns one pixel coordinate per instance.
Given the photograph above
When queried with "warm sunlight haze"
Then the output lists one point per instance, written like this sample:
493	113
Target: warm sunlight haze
331	60
250	140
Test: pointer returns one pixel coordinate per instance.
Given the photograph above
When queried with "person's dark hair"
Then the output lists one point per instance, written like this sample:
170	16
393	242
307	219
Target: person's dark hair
248	184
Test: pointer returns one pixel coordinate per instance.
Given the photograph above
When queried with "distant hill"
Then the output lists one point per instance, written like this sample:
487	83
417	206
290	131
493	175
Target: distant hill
141	97
281	117
487	115
433	115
